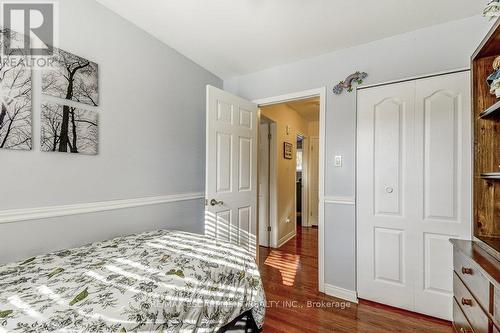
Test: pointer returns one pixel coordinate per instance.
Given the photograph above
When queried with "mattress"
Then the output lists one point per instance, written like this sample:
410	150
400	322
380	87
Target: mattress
161	281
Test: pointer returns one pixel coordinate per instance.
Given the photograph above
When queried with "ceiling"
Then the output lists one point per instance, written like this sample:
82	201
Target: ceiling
236	37
307	108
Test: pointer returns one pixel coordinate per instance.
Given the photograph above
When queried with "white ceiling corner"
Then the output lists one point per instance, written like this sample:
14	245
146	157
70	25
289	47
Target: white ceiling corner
236	37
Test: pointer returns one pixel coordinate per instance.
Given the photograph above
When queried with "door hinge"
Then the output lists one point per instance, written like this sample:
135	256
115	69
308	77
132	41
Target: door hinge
206	202
269	136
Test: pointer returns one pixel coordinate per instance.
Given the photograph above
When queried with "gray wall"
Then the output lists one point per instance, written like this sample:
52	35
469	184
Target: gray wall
434	49
152	141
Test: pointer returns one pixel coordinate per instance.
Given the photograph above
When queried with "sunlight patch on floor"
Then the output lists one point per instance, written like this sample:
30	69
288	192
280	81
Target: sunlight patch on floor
286	263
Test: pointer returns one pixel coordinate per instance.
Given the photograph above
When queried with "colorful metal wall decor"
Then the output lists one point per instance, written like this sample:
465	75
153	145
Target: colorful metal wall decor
357	77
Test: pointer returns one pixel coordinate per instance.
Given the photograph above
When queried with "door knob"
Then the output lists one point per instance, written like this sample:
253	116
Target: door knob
214	202
389	189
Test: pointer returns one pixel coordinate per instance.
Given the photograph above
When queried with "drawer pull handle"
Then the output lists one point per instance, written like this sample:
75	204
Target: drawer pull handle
467	271
466	301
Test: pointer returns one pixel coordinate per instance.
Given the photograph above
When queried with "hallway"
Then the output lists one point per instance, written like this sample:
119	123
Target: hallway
290	276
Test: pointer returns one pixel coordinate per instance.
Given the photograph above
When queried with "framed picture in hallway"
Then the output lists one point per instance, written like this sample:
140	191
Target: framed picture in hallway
288	151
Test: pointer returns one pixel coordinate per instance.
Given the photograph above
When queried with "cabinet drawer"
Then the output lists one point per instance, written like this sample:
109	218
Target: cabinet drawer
459	321
477	318
472	277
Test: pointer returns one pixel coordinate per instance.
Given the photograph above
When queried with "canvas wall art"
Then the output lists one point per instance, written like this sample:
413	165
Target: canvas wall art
69	129
73	78
15	99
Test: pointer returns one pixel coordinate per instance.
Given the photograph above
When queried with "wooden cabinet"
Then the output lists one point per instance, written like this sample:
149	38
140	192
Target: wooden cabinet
496	307
486	117
460	322
476	264
476	282
476	288
470	306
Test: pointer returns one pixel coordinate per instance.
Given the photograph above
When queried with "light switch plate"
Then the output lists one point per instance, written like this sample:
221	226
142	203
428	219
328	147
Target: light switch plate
338	161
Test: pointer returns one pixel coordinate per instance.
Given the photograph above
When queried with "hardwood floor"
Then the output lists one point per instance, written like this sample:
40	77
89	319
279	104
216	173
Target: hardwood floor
290	276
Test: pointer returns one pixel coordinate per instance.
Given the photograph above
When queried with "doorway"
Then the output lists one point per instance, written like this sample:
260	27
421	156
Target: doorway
232	184
289	178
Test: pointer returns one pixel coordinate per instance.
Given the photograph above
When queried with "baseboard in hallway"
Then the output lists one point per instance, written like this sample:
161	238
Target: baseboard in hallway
283	240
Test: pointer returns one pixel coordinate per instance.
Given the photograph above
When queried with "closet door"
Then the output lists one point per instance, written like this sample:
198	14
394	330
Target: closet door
443	161
386	195
414	172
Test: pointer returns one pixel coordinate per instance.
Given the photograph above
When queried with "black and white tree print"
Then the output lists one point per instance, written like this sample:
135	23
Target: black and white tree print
15	99
72	77
77	133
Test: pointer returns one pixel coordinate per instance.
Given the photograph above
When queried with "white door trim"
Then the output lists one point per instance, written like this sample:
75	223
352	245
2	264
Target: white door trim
304	189
321	92
309	188
305	182
273	187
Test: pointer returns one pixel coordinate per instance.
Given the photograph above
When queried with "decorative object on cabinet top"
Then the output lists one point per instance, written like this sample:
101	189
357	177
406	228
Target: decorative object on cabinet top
494	79
491	111
492	10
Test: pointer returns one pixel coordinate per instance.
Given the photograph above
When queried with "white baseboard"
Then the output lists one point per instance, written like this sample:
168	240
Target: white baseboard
16	215
286	238
341	293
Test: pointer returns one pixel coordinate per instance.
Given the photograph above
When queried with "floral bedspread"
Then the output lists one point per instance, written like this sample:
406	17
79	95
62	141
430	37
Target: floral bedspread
161	281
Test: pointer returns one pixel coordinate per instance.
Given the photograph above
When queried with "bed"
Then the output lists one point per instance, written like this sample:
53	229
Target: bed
161	281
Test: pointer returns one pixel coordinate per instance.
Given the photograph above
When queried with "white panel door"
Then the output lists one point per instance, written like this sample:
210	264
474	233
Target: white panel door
264	185
313	181
231	169
443	160
414	155
384	197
